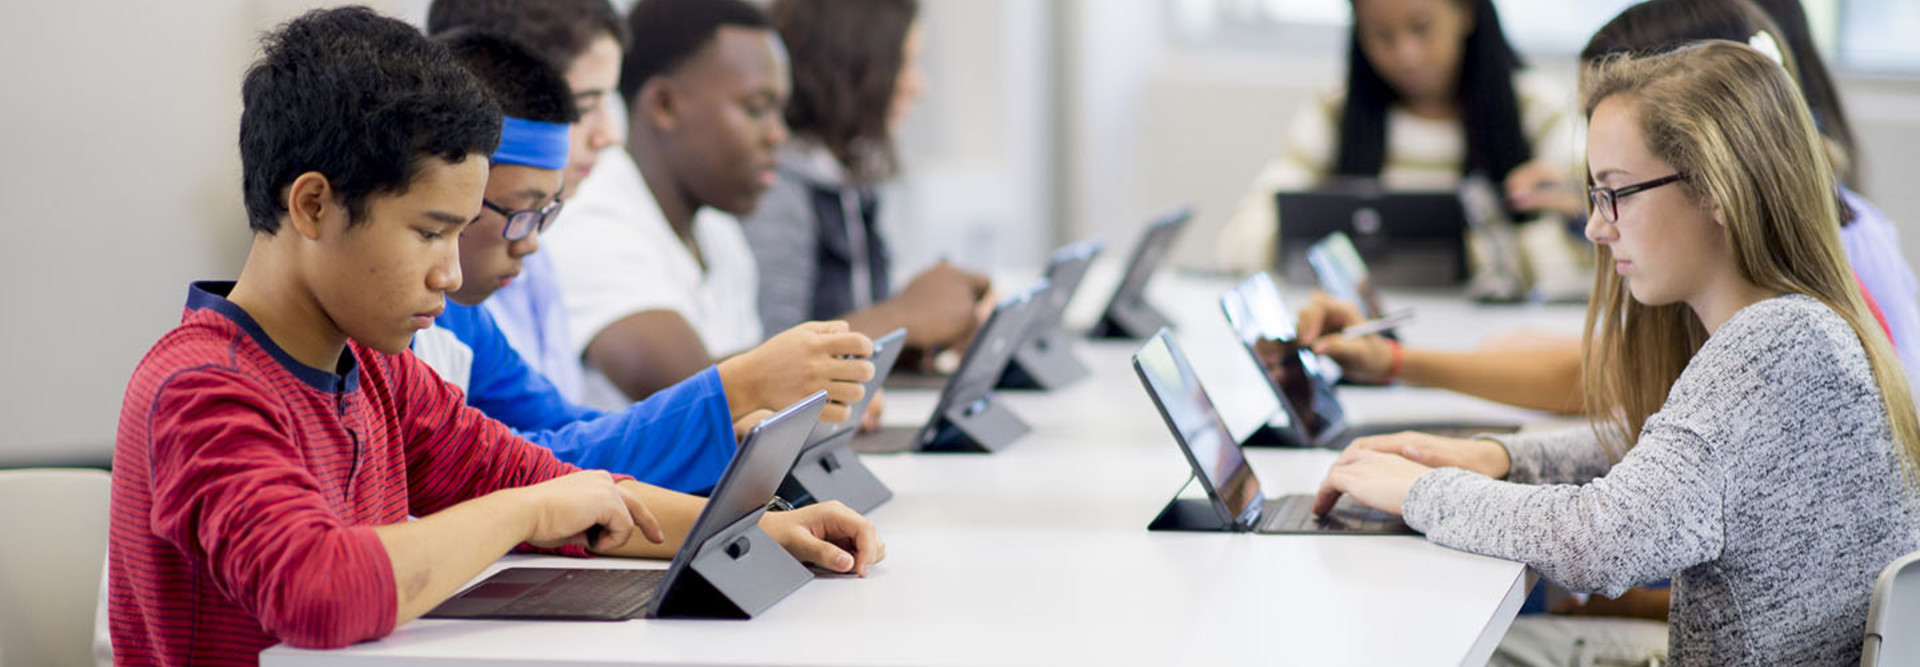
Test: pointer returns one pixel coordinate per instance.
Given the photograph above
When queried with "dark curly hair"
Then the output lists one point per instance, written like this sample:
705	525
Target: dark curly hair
360	98
846	59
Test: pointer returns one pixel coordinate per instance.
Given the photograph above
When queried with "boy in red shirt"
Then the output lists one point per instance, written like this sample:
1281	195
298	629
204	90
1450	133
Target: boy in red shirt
272	447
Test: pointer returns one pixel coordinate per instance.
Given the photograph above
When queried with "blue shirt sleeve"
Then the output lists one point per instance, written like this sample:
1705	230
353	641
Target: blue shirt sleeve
500	383
680	438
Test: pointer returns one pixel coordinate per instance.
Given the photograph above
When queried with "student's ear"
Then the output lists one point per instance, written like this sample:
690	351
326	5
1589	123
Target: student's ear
309	200
1466	18
658	104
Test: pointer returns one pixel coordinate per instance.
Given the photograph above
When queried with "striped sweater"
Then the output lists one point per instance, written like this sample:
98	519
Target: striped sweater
246	487
1769	487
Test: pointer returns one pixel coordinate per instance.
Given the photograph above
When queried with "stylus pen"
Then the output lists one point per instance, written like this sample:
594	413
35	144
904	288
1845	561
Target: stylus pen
1384	324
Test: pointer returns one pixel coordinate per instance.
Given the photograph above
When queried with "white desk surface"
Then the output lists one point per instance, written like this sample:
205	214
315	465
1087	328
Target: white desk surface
1039	555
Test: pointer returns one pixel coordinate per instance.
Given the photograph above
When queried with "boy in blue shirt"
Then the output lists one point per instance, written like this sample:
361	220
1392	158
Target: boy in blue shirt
680	438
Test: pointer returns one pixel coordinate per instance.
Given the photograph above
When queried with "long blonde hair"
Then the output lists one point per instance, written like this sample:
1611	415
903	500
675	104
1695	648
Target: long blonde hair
1733	121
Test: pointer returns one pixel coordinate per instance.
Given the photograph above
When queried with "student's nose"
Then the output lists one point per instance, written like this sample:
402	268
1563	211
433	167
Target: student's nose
445	274
1409	50
605	133
1598	229
777	132
526	246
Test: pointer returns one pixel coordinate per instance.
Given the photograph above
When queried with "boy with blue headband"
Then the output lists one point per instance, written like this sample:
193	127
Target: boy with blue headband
584	40
681	438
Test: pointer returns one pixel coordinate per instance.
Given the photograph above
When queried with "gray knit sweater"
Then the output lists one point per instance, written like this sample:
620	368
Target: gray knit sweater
1768	488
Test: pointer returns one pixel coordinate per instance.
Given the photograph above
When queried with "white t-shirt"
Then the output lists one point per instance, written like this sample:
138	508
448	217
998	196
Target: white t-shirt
444	352
615	255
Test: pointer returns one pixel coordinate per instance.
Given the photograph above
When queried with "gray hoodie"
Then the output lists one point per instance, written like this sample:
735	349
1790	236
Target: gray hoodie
817	238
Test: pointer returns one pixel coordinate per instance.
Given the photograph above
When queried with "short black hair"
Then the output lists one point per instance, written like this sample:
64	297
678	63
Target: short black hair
523	83
666	33
558	30
360	98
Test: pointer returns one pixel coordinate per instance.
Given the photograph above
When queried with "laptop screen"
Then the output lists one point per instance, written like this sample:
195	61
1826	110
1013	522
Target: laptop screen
1259	318
1342	273
992	347
1146	256
755	472
886	350
1189	413
1064	271
1409	238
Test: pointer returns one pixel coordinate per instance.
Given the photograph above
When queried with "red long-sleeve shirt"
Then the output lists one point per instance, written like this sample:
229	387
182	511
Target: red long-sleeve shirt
246	487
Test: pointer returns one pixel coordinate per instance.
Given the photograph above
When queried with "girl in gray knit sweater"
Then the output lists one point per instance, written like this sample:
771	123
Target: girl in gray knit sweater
1759	440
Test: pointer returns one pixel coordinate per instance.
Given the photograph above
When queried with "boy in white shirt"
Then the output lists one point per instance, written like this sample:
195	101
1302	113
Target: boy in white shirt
657	279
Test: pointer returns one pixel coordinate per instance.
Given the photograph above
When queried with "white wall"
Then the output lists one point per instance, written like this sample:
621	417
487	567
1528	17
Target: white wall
978	183
121	183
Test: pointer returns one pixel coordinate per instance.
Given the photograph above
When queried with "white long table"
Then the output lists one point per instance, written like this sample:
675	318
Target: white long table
1039	555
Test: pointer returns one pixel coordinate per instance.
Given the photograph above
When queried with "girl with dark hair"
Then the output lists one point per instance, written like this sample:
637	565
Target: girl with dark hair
1433	92
816	233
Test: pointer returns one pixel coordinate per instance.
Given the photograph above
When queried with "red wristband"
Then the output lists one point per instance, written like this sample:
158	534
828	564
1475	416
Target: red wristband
1399	356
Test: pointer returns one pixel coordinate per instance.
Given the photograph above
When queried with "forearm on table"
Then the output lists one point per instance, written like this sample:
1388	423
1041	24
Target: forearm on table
647	352
1534	379
436	555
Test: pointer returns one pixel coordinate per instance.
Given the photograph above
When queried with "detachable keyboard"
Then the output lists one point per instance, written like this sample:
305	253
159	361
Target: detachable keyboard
1294	514
887	440
587	594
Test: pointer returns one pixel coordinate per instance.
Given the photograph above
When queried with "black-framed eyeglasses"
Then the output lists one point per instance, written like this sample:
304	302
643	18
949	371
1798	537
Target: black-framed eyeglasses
1607	200
523	222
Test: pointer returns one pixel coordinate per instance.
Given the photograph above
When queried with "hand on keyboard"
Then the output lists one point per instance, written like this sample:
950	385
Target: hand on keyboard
565	508
1375	478
1486	457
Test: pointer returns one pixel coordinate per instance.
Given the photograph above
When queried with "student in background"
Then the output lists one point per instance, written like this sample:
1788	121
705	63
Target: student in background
1433	92
657	278
1544	373
681	438
584	39
1727	335
1871	238
817	235
272	447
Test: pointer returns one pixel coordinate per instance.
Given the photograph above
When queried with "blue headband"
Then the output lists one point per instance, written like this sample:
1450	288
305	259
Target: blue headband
532	143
